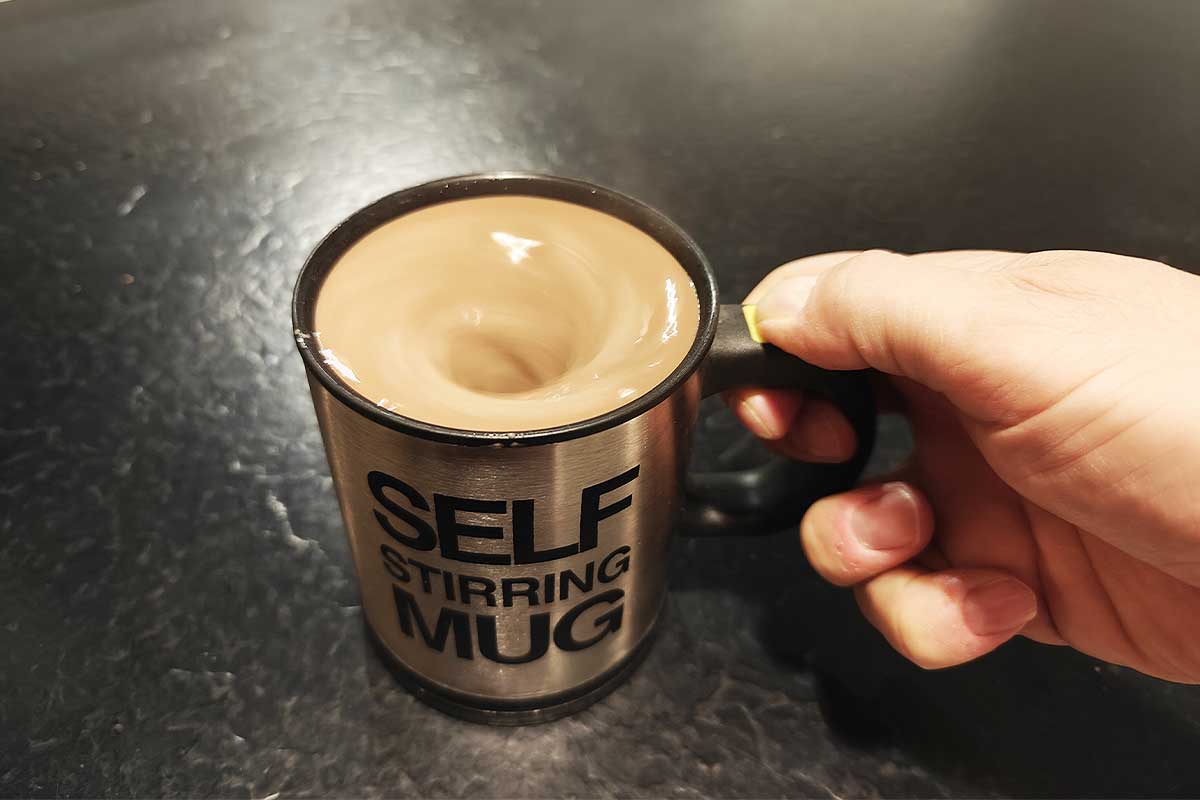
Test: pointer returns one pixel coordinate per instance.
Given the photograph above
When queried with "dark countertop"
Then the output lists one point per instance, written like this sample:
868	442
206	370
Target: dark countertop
179	608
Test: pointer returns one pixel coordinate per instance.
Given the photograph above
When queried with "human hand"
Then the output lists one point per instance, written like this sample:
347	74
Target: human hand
1054	487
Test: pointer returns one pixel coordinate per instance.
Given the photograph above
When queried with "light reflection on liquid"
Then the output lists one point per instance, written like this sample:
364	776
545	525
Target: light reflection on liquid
515	247
672	326
338	366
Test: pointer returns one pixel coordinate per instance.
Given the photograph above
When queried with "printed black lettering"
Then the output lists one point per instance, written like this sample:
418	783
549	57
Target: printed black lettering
449	528
512	587
425	538
606	623
469	587
425	571
590	512
539	639
621	567
393	562
524	548
449	621
568	577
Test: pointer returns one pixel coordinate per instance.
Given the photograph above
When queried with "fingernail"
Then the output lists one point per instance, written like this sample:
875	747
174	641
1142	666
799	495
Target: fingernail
757	416
785	301
998	607
889	520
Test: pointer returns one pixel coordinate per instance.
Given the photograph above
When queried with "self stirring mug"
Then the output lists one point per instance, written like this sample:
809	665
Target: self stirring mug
517	577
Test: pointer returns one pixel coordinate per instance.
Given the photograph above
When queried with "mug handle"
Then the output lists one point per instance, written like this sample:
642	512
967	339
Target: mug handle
775	495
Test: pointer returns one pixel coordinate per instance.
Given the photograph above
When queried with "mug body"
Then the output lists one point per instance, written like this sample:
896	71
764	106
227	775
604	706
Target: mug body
509	577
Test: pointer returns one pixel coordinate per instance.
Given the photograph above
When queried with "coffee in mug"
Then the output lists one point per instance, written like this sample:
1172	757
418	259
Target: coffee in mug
506	371
505	313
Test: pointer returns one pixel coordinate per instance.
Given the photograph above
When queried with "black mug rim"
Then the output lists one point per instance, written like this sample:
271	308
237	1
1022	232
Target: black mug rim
642	216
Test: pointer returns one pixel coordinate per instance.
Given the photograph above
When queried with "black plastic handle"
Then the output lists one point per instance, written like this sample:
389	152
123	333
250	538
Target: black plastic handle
775	495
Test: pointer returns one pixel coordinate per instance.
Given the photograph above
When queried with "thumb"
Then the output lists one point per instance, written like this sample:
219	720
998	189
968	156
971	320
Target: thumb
925	318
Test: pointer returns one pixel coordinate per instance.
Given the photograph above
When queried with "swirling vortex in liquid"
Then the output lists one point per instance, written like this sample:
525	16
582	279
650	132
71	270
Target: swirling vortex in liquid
505	313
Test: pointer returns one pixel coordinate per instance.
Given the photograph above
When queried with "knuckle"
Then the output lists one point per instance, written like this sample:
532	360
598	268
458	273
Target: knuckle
1068	274
855	291
1041	273
868	269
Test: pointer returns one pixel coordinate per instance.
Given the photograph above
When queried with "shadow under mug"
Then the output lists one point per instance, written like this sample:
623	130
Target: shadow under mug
517	577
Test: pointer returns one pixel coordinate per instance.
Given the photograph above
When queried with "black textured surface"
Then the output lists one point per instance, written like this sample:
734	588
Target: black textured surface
179	611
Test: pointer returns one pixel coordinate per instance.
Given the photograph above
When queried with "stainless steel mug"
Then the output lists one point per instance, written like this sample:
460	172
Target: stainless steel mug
517	577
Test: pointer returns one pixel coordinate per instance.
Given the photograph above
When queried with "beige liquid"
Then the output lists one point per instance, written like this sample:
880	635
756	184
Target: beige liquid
505	313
